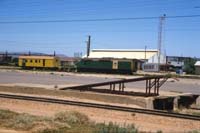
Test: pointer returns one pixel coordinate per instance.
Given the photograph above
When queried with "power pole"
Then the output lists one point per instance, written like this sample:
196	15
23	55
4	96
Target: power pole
6	55
88	46
160	36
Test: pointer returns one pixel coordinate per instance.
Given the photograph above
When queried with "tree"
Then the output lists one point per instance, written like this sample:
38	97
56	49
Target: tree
189	67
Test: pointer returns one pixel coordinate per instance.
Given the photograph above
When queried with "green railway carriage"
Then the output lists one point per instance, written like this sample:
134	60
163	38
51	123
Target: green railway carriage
107	65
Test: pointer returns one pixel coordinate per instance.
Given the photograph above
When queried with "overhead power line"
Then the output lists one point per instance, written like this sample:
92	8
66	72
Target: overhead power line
95	20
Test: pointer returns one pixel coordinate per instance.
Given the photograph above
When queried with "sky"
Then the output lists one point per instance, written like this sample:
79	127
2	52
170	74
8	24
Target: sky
181	36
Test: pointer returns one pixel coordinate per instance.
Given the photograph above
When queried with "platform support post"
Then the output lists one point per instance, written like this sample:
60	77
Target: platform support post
123	86
147	83
120	87
149	86
111	87
158	86
155	85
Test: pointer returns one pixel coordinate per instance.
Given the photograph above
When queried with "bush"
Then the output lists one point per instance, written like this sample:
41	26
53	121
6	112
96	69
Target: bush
61	123
195	131
6	115
71	118
189	67
23	122
114	128
159	131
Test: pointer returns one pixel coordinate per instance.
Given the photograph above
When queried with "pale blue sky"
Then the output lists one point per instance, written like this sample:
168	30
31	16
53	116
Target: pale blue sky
182	35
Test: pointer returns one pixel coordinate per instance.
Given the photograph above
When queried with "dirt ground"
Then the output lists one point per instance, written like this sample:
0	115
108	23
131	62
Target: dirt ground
142	122
61	79
2	130
136	102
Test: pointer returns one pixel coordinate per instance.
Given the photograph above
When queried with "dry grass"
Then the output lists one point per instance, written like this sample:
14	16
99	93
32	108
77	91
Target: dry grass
70	122
60	123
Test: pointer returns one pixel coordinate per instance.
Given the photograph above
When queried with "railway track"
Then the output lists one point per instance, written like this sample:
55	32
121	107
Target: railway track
101	106
195	108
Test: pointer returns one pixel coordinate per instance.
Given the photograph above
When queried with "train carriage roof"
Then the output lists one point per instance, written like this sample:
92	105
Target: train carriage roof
37	57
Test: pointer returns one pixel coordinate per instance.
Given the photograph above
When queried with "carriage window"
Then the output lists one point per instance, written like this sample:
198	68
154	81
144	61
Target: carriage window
24	60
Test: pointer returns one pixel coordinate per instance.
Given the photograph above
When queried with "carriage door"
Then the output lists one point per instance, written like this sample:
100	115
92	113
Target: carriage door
23	62
43	62
115	64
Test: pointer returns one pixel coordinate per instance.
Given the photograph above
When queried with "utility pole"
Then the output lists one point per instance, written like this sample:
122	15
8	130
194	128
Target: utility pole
160	36
88	46
6	55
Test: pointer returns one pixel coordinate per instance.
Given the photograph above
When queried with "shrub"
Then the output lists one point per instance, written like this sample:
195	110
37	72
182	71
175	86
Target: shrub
23	121
61	123
114	128
6	114
71	118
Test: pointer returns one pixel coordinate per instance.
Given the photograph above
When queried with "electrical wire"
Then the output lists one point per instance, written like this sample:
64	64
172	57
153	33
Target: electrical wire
95	20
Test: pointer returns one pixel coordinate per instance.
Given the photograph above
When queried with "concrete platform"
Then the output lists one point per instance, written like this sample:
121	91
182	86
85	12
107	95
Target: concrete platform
179	101
167	100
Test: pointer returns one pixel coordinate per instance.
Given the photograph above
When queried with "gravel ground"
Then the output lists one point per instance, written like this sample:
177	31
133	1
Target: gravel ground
121	100
10	131
68	79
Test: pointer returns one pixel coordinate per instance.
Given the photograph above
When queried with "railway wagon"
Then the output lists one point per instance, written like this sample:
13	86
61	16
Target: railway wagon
49	62
107	65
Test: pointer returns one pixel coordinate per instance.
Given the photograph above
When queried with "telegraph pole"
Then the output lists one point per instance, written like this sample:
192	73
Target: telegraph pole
160	36
88	46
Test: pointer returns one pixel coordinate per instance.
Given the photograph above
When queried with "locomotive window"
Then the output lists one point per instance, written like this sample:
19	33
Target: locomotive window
31	61
35	61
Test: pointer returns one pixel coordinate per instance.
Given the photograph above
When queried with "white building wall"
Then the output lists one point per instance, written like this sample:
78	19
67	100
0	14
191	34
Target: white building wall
154	59
128	54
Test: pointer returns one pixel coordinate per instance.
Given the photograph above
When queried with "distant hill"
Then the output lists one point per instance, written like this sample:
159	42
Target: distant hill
16	54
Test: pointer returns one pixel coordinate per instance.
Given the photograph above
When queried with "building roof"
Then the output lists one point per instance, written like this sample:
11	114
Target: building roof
107	59
197	63
140	54
124	50
37	57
